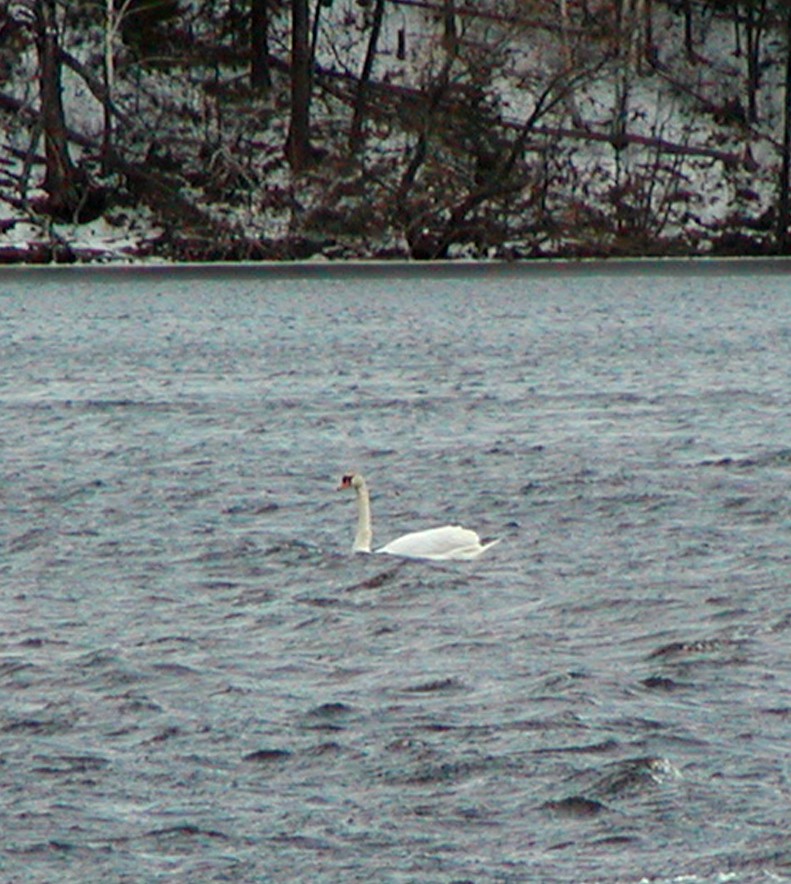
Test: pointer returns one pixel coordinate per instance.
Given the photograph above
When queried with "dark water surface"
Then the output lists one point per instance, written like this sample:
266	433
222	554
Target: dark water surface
200	683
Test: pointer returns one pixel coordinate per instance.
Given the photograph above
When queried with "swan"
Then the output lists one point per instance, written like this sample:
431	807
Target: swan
441	544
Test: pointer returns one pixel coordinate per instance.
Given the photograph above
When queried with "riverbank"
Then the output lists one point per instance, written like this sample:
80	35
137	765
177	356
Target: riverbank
478	147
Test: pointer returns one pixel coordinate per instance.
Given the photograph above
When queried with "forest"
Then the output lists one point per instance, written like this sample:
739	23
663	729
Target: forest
200	130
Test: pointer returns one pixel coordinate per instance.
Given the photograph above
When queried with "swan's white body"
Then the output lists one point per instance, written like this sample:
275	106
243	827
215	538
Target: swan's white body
450	542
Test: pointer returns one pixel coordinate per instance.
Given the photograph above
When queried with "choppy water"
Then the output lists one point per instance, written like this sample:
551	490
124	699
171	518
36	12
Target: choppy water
199	683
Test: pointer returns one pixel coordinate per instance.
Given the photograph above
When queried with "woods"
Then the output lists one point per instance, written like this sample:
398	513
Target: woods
422	128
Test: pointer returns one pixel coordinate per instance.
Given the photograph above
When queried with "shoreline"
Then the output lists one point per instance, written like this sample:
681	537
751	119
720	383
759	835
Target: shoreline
693	264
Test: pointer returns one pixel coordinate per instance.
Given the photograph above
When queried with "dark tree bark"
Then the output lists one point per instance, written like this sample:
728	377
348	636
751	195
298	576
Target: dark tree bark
70	196
689	40
60	169
260	74
783	207
450	36
298	148
356	131
649	49
314	32
754	22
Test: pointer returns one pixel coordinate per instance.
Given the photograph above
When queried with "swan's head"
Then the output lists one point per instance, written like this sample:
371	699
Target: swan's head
352	480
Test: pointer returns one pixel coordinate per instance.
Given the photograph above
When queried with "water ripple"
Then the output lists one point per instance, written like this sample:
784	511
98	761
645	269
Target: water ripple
201	683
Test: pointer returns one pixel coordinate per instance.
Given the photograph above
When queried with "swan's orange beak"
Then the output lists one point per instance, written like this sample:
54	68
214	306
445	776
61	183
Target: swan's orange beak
346	482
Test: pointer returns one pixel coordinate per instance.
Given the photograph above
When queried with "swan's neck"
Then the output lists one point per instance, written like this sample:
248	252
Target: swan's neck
362	540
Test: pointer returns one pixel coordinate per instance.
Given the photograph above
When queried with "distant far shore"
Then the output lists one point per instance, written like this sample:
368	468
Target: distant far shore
635	265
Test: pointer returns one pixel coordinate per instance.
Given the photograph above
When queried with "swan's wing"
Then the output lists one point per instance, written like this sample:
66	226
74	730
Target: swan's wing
447	542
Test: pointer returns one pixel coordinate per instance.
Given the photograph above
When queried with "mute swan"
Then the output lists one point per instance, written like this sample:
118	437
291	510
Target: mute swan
447	542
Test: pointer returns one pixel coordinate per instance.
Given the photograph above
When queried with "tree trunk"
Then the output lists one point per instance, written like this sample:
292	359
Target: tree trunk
565	43
567	55
66	186
109	82
356	131
689	40
754	16
298	142
649	50
636	42
783	207
450	37
623	76
260	74
314	35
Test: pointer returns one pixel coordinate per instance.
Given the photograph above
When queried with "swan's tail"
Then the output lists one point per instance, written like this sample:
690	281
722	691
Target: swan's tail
467	553
490	543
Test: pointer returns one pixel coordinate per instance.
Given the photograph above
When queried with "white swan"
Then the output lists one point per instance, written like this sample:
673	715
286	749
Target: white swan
447	542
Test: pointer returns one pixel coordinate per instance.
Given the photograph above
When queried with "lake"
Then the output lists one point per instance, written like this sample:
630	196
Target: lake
200	682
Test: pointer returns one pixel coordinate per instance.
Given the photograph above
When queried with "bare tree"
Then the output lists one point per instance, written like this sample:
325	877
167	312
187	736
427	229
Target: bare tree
356	131
260	75
689	36
751	19
754	17
298	148
783	208
70	195
112	27
450	31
